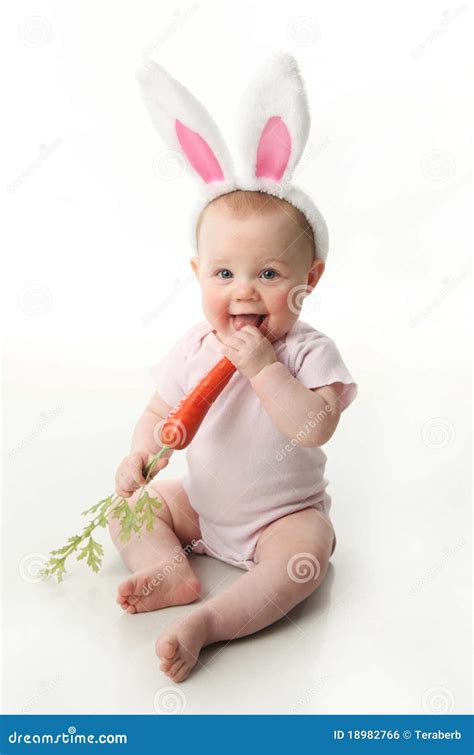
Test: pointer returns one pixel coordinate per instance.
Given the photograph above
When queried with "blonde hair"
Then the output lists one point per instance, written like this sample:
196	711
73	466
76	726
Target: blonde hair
243	204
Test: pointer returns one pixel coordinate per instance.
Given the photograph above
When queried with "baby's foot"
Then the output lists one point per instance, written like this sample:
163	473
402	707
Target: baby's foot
157	586
179	645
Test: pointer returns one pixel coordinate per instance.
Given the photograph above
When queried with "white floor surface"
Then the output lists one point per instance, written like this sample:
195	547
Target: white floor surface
388	631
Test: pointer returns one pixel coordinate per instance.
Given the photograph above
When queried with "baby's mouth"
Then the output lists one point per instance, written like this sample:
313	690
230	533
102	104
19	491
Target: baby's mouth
240	321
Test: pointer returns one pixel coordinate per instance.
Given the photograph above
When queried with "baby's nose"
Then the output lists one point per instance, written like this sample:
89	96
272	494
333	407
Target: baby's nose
245	291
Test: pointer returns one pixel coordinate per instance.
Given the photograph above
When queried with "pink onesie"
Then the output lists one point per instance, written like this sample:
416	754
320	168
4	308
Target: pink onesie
243	473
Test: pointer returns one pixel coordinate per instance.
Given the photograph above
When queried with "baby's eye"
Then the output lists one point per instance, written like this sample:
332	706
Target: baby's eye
223	271
270	270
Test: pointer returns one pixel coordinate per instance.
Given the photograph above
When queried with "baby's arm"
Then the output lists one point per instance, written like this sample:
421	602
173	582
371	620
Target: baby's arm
145	444
146	432
308	415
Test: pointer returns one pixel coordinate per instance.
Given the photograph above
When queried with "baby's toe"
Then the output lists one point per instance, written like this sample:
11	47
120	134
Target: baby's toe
177	666
122	600
127	587
167	648
165	666
133	599
182	673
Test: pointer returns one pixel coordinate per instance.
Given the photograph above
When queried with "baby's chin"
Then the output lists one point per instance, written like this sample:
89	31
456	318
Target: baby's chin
274	334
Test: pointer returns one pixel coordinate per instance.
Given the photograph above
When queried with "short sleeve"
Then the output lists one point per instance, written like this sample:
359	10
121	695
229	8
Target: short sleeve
169	373
318	362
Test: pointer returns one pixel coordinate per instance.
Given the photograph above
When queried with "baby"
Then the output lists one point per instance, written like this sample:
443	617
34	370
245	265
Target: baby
254	494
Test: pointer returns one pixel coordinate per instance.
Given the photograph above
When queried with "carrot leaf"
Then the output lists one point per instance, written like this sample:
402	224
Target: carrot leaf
131	519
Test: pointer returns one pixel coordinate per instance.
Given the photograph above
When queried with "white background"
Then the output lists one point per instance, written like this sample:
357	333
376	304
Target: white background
99	287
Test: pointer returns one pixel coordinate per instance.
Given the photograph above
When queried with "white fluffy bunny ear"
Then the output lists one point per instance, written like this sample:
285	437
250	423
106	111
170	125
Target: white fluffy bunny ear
276	120
185	125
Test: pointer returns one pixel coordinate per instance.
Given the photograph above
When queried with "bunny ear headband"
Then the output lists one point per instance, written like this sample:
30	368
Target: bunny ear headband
275	130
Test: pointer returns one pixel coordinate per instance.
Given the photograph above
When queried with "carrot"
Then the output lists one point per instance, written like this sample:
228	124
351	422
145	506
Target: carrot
177	432
183	422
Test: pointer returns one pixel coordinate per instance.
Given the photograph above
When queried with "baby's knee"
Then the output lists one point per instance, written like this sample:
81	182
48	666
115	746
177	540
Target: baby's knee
302	568
306	568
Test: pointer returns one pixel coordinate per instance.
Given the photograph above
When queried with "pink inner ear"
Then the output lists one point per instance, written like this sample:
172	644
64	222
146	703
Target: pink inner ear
199	153
274	149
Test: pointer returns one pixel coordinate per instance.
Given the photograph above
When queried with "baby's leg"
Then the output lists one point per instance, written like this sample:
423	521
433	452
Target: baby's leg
292	554
162	574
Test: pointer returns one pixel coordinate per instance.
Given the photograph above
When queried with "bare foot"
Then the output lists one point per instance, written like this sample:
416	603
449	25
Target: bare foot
179	645
157	586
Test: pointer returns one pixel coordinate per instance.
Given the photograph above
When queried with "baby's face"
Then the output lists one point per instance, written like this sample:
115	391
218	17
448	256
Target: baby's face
257	264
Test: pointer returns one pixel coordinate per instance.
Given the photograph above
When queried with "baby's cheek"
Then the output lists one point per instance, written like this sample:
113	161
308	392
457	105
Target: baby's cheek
280	300
215	303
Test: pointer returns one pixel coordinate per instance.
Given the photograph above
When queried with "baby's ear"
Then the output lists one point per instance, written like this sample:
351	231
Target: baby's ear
184	124
195	262
315	272
276	120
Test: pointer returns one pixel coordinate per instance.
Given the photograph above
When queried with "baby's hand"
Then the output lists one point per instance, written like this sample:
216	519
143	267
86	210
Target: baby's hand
248	350
129	475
